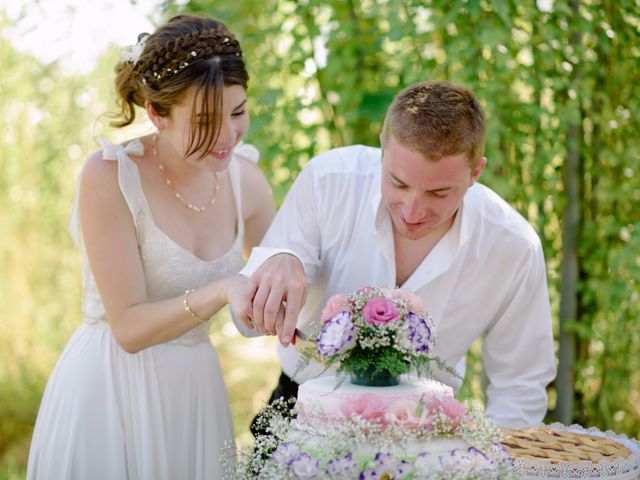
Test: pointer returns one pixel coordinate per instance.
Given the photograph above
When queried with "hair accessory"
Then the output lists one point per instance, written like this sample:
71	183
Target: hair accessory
175	66
169	72
132	53
187	308
180	198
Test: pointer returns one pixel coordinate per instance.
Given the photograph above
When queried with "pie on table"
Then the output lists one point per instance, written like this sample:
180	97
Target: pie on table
543	444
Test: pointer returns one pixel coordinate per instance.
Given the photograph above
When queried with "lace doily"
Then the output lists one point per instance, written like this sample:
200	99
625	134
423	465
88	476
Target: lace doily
618	469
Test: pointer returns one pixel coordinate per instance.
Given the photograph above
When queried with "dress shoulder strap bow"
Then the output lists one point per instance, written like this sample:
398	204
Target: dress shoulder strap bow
111	151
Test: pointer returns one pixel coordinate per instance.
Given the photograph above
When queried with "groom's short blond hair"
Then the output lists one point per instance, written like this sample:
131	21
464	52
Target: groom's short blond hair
437	119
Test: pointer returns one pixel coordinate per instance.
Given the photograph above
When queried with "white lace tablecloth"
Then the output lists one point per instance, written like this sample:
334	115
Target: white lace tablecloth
619	469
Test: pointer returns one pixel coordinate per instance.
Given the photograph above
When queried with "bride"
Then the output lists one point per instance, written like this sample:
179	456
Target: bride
163	222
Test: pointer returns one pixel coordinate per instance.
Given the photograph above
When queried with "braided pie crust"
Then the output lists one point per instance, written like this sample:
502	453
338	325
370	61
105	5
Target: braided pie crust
553	446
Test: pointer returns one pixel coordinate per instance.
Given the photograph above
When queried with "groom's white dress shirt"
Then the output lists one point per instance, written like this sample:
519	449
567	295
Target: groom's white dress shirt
485	277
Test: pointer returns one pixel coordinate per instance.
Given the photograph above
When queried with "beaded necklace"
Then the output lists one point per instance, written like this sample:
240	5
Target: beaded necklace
176	194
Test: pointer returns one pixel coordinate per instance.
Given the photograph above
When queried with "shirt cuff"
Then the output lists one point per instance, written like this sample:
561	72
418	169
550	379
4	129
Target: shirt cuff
259	255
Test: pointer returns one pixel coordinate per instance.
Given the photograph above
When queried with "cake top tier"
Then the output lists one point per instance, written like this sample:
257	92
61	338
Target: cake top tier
336	386
416	404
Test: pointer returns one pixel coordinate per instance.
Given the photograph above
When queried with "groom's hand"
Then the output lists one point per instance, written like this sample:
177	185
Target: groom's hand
279	281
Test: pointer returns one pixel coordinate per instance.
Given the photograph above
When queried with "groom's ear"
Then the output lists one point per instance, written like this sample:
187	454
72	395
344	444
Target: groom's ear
477	170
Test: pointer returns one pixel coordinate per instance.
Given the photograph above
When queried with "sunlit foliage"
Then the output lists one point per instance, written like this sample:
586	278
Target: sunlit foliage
323	73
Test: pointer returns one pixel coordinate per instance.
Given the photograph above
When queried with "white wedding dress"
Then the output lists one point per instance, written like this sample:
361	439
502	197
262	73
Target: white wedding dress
159	414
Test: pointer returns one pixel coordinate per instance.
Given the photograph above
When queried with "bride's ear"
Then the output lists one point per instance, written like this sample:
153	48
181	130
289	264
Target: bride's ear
159	122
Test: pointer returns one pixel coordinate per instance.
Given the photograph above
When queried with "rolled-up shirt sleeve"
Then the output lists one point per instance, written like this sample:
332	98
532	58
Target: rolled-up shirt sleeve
518	350
295	229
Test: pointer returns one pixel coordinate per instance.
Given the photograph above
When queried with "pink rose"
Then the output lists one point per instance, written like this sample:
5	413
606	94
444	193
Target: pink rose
336	304
447	405
403	413
368	407
408	414
379	311
413	301
453	409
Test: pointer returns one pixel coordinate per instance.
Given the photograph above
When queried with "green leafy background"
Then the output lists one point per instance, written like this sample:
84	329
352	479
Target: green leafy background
560	89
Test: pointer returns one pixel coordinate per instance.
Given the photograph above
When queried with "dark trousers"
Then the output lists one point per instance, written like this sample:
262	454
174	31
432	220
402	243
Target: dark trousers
286	389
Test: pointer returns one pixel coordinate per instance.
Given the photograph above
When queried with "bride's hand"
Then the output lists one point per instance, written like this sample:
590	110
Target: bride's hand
235	287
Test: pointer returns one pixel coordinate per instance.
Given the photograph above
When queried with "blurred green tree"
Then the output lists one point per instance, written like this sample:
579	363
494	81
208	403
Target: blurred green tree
42	118
558	80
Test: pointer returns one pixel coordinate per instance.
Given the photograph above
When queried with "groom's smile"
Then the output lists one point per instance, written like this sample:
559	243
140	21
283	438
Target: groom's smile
423	195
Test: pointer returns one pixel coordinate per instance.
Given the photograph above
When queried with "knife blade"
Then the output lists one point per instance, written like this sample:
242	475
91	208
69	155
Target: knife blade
300	334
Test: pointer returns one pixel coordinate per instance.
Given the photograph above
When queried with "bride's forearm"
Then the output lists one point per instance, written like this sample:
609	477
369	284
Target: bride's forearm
144	325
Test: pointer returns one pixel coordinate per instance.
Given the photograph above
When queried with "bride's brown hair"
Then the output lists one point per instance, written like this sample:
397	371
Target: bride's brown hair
188	51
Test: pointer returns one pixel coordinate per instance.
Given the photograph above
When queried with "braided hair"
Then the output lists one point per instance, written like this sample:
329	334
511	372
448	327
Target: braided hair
188	51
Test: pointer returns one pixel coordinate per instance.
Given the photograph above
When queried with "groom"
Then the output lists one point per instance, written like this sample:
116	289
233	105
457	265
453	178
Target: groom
411	214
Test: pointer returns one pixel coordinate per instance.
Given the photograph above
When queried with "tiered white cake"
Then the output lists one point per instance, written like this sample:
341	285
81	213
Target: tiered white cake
413	430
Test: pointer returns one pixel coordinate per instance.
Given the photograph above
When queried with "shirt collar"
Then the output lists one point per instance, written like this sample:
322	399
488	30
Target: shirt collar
441	257
377	205
468	213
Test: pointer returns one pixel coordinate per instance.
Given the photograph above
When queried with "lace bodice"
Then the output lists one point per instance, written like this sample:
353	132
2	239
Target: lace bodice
169	268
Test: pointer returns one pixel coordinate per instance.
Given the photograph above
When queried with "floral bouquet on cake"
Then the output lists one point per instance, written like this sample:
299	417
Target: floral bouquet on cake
376	335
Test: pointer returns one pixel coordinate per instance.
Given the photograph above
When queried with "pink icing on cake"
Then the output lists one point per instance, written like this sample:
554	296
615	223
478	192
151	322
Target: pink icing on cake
331	398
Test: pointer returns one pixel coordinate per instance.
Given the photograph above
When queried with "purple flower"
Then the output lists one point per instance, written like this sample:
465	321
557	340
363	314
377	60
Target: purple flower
417	335
384	464
305	467
338	335
286	453
403	468
370	474
380	310
342	466
424	464
479	459
473	461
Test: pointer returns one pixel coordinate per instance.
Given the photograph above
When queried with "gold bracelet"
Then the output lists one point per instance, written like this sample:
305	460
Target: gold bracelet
187	308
